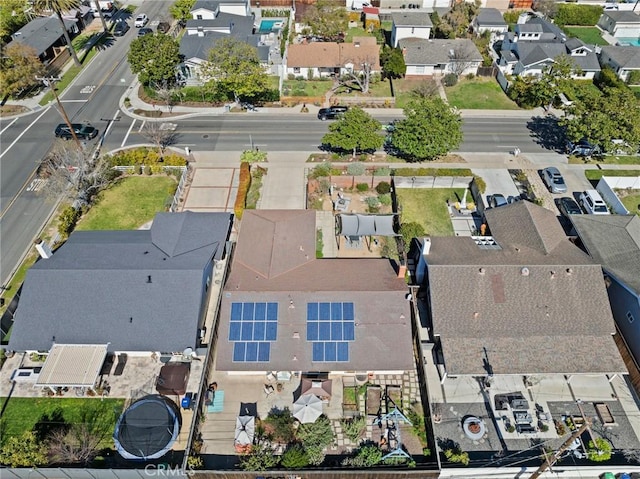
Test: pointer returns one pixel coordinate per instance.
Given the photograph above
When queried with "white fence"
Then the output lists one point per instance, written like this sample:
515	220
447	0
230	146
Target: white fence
607	186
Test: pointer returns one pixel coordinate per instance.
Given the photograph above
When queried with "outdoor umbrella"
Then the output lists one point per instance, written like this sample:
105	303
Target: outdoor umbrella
307	408
245	429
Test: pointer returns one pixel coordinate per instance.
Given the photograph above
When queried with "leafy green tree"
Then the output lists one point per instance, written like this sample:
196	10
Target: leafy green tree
23	451
295	457
319	433
430	129
455	23
181	9
392	61
531	92
326	19
234	67
355	131
13	17
572	14
59	7
549	8
260	458
600	451
367	455
20	66
614	115
154	58
411	230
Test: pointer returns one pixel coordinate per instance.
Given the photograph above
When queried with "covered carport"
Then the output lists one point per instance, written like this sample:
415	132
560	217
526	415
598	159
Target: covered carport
72	366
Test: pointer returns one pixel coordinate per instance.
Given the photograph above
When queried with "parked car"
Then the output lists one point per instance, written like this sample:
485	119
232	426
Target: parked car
144	31
120	29
83	131
568	206
141	21
163	27
554	180
583	148
593	203
332	112
497	200
108	13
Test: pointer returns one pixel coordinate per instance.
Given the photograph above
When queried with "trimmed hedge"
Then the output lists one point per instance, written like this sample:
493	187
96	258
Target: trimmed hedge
145	156
243	189
580	15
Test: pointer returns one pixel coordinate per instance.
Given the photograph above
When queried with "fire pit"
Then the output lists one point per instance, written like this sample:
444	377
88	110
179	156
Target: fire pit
474	428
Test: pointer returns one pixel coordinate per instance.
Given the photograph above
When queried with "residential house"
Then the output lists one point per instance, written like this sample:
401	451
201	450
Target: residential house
620	24
489	20
410	25
514	328
136	291
323	59
440	56
536	44
285	310
614	242
623	59
45	36
211	21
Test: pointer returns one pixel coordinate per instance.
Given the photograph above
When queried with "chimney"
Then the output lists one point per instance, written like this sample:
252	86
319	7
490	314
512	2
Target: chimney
402	270
43	249
426	246
200	32
404	52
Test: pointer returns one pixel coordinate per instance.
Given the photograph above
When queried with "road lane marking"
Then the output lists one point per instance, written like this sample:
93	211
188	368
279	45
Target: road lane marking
126	137
25	130
36	185
141	125
73	101
14	120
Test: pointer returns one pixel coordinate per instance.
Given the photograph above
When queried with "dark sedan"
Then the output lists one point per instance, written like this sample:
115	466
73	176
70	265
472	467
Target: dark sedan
120	29
568	206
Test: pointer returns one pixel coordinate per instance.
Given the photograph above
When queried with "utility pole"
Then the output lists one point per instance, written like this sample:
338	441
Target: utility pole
50	82
551	460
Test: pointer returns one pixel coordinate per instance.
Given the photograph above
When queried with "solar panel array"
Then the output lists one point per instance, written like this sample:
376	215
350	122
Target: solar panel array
252	327
330	328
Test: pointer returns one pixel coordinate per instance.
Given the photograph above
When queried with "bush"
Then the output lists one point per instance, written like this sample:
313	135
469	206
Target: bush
147	170
581	15
382	171
373	204
450	79
384	199
600	451
480	183
356	169
323	169
67	221
634	77
367	455
259	458
608	78
243	189
316	455
411	230
253	156
145	156
281	421
362	187
353	427
319	433
383	188
295	457
457	456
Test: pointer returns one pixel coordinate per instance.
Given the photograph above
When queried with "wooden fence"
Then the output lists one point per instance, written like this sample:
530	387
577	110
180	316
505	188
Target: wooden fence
372	102
55	66
301	100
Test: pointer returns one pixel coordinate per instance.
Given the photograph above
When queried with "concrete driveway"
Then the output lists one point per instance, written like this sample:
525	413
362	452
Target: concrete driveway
498	181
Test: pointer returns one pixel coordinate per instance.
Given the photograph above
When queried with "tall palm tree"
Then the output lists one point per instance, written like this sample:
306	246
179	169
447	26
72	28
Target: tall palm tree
59	6
99	10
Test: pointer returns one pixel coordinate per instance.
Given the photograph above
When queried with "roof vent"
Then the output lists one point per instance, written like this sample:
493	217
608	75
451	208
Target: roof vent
476	315
553	274
149	279
296	335
481	271
569	271
524	271
426	246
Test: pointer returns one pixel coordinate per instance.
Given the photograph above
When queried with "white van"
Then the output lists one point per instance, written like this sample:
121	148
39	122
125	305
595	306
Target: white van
592	203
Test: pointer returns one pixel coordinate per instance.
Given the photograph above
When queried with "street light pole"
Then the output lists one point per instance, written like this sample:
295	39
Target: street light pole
50	82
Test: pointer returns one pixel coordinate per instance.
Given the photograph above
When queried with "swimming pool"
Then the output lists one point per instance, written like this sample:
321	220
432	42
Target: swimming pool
270	25
629	41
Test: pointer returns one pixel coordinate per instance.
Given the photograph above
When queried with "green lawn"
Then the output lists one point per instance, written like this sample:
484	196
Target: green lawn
631	201
479	93
607	160
306	87
589	35
593	175
130	204
356	32
429	208
22	414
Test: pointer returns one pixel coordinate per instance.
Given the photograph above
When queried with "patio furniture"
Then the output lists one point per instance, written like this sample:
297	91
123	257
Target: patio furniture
268	389
122	361
271	377
218	402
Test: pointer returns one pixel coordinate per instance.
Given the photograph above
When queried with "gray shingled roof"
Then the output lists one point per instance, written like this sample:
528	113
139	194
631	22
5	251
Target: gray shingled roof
436	51
41	32
194	46
622	16
411	19
533	53
614	242
95	289
490	17
539	296
382	313
625	56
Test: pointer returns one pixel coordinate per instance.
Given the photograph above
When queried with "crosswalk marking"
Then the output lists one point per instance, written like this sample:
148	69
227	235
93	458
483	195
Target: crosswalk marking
36	185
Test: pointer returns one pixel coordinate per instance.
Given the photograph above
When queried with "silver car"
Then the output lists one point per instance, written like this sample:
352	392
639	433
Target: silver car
554	180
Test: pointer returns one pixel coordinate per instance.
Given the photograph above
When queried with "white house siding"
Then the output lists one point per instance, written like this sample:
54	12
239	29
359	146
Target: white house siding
409	32
236	9
420	71
203	13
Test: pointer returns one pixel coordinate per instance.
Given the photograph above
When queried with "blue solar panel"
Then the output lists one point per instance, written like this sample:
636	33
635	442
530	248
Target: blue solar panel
318	351
343	352
272	311
336	331
312	311
247	311
234	331
312	331
252	352
247	331
264	350
272	331
324	330
236	311
325	311
330	351
347	312
238	352
259	331
348	331
336	311
260	312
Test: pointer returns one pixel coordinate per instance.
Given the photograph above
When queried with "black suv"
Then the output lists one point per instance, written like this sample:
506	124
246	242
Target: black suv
332	112
83	132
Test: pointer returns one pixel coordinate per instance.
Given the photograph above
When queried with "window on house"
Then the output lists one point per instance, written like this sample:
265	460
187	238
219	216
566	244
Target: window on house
420	70
296	69
630	317
198	17
413	30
